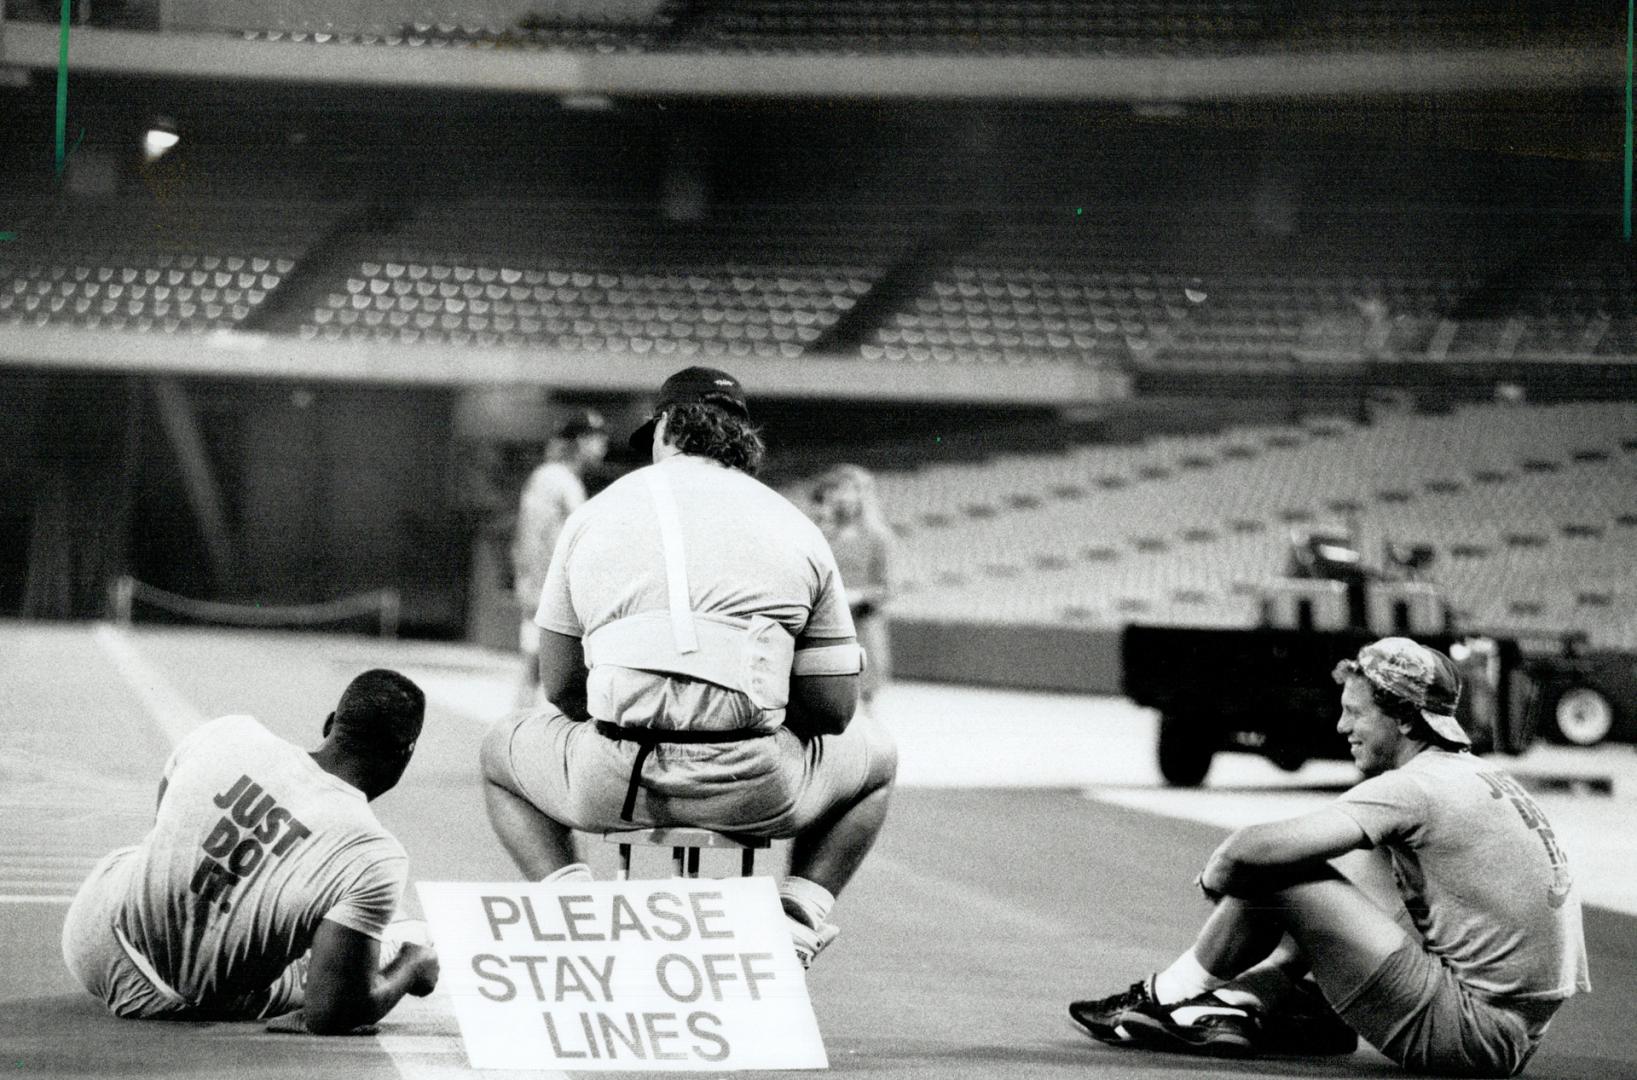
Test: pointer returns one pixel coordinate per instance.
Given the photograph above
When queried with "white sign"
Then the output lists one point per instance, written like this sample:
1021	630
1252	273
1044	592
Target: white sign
672	974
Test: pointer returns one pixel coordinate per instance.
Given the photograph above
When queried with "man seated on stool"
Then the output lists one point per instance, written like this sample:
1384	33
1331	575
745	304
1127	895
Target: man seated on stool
1460	980
696	619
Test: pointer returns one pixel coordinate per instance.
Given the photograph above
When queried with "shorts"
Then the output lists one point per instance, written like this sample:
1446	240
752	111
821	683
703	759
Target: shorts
1417	1012
114	975
775	787
94	954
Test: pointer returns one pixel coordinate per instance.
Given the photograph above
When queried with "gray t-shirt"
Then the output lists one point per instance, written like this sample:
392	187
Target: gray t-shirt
1481	874
749	551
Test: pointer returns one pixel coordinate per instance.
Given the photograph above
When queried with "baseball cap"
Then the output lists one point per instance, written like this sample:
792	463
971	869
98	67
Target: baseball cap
1424	677
690	386
585	422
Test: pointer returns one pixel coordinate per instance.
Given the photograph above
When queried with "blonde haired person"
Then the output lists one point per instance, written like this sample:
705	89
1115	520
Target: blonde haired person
865	548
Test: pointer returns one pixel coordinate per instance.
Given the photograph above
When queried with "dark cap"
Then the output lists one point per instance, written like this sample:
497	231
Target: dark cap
692	386
1424	677
585	422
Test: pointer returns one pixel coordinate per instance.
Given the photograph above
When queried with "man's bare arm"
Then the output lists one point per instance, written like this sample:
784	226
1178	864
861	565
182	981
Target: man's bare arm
346	987
1259	858
563	673
821	704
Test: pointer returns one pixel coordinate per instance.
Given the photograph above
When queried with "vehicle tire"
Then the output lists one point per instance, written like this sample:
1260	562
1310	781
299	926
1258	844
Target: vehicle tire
1581	716
1184	750
1288	758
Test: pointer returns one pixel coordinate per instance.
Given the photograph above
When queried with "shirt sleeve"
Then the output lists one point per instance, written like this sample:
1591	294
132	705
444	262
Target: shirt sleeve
1386	806
831	618
556	609
368	902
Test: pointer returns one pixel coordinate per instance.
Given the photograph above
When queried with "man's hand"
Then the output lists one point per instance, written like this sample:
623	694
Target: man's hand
346	987
421	962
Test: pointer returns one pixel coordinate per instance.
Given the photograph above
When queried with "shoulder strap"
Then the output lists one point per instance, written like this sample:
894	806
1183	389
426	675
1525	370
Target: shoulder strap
676	562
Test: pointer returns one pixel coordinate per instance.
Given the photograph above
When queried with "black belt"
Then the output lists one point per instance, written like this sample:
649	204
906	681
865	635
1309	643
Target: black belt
647	738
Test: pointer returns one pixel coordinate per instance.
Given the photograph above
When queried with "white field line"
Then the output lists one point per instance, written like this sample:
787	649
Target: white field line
174	714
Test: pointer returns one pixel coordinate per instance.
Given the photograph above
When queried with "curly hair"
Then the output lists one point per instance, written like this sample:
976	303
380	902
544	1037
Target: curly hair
713	432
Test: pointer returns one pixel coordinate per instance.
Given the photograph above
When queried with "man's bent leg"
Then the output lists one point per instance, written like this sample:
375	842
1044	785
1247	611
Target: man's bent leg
1196	1006
830	851
537	843
1343	934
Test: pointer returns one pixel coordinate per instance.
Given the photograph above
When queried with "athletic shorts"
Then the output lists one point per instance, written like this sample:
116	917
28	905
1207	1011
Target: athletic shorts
1415	1010
114	973
775	787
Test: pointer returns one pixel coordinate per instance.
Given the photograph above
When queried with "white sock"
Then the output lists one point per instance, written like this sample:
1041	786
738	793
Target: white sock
806	901
1185	978
573	872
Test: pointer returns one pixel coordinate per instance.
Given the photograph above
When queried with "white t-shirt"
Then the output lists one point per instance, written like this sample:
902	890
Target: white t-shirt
253	846
749	551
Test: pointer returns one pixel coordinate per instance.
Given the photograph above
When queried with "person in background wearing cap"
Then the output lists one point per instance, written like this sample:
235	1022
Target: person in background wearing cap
553	491
266	885
701	667
1462	980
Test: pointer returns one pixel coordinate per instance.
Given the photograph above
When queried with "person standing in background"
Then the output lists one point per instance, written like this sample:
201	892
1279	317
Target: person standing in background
553	491
864	547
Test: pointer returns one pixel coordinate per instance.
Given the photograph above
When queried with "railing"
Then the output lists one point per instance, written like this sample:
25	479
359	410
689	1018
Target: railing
384	604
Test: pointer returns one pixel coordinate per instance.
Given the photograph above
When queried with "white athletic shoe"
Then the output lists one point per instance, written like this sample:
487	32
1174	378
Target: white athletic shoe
809	942
572	874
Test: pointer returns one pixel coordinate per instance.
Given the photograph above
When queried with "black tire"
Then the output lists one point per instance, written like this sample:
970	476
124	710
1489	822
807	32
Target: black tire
1184	750
1288	758
1580	716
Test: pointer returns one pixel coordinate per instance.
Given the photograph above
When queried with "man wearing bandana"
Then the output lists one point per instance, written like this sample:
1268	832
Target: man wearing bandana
1462	979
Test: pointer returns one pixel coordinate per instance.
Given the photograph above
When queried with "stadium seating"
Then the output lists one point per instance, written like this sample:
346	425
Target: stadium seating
1531	511
209	269
987	27
606	280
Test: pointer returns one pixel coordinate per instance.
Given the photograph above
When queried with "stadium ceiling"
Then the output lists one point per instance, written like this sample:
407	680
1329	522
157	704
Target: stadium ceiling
1363	73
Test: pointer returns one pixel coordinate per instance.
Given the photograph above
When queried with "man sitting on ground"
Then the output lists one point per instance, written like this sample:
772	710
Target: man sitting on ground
1493	945
266	882
701	668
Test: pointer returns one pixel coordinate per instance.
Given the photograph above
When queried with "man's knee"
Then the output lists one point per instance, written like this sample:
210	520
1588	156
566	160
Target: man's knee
1336	924
883	753
495	754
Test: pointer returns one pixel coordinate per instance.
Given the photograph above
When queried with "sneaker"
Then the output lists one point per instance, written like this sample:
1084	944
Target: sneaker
1100	1018
810	941
572	874
1204	1024
1305	1026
